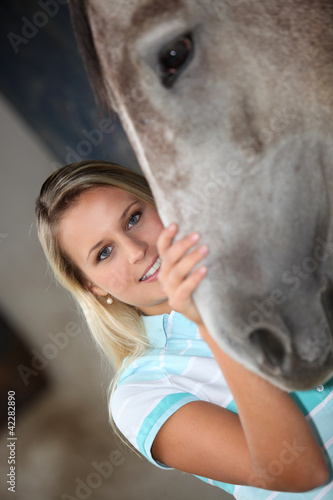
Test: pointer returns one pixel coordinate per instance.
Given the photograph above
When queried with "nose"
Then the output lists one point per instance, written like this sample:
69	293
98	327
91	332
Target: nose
134	249
296	344
274	349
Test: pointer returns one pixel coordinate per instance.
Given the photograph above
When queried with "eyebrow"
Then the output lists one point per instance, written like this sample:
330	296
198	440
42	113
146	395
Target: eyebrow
123	215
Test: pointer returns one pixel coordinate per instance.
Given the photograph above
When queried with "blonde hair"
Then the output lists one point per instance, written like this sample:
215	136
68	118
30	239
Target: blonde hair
118	328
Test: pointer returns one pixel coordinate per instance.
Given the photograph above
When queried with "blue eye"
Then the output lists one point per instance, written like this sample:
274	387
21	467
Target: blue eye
104	254
134	219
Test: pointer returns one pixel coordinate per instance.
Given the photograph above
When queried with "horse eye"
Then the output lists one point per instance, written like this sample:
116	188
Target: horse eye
174	58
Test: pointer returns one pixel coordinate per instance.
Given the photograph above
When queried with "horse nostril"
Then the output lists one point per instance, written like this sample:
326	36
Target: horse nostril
271	347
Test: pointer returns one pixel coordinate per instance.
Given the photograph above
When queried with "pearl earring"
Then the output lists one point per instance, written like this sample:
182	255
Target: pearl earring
109	300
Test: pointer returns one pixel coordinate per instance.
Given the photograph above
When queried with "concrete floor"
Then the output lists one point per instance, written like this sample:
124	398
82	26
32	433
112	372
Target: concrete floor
63	436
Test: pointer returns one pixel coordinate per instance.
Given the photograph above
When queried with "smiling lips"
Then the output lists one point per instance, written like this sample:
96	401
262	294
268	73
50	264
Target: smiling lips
152	271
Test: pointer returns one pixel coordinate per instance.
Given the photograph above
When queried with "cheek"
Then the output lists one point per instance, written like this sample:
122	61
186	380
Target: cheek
116	281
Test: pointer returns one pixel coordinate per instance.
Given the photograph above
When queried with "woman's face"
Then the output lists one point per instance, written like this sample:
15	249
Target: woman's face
111	236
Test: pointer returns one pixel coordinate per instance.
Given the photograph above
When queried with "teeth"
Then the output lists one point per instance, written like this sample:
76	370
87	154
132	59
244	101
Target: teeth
152	270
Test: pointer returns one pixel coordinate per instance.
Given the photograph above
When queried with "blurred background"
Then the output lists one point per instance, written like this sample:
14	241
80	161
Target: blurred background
64	447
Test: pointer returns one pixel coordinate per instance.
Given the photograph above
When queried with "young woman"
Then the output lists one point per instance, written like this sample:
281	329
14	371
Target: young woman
177	398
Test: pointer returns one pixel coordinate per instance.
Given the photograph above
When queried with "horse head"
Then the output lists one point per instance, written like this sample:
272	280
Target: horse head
228	106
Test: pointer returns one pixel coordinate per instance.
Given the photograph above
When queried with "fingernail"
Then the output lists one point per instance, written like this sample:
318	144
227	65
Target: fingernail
194	237
203	270
203	248
172	228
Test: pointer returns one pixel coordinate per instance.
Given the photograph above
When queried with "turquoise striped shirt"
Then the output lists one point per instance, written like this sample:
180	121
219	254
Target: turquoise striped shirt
180	368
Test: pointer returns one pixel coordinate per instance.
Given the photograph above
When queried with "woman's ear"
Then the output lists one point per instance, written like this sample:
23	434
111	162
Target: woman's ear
96	290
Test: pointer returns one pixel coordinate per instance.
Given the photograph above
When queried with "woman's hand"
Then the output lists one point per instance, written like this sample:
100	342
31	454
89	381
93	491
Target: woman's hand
176	273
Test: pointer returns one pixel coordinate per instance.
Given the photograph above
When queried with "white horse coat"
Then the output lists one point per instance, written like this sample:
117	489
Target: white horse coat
228	105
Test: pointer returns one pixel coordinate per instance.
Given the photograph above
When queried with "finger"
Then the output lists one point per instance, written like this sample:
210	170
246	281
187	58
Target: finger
166	237
170	252
185	266
184	292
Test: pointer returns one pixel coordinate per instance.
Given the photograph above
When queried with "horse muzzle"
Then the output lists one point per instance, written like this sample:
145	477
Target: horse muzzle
291	344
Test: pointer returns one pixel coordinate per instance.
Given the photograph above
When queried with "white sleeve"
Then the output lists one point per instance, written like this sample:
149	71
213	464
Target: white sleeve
140	409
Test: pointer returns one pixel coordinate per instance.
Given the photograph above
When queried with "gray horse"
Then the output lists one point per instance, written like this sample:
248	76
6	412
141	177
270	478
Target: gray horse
228	105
